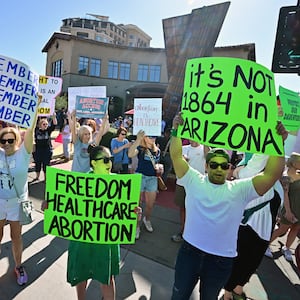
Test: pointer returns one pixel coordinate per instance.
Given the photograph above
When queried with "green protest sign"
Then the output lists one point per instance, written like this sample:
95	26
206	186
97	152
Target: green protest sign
290	104
230	103
92	208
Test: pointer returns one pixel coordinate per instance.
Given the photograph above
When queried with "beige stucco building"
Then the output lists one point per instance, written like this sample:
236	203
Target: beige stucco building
128	67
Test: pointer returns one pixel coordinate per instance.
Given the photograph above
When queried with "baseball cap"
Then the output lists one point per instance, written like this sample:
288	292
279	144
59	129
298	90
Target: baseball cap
217	152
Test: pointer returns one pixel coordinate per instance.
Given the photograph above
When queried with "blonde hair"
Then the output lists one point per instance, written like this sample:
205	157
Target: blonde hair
12	130
292	159
82	129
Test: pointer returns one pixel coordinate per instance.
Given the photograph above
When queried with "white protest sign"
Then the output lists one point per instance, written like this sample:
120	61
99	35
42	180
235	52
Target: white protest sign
49	87
18	92
86	91
147	116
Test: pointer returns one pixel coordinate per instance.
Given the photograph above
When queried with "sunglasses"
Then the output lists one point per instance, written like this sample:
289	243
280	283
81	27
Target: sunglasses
215	165
122	133
106	160
4	141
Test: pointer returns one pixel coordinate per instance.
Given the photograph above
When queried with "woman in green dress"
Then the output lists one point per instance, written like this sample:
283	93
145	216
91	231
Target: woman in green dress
94	261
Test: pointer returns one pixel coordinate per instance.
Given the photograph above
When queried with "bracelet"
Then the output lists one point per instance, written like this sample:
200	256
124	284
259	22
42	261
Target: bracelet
174	132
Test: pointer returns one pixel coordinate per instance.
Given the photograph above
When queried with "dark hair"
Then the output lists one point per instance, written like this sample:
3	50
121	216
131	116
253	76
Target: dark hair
94	151
120	129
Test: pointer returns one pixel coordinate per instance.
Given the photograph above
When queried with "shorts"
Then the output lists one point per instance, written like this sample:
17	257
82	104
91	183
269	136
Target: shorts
179	199
9	209
149	183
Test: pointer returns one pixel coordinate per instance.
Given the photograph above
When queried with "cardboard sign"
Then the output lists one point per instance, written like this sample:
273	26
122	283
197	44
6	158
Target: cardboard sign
290	104
91	107
230	103
147	116
50	88
86	91
18	92
92	208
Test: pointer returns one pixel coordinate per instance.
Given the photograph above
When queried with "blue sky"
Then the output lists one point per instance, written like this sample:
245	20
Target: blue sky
26	26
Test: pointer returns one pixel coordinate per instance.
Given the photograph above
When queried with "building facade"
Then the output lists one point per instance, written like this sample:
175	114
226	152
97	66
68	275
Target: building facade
83	59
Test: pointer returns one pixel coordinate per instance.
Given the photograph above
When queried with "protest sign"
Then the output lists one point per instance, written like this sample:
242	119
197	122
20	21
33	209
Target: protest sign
86	91
290	104
49	87
92	208
91	107
147	116
230	103
18	92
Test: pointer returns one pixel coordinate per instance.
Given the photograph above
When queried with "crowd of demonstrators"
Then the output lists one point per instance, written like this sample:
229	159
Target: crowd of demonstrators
147	152
94	261
43	150
194	154
119	148
290	213
255	229
163	142
14	161
212	204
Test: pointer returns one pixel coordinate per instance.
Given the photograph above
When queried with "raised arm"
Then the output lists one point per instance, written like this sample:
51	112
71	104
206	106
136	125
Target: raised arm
273	170
104	128
29	133
72	124
132	151
179	163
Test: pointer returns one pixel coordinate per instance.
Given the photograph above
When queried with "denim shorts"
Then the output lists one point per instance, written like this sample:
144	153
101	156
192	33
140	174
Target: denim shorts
149	183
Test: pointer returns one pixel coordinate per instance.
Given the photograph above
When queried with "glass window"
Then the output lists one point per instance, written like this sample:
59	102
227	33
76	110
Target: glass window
124	71
57	68
83	65
143	72
95	67
113	67
154	73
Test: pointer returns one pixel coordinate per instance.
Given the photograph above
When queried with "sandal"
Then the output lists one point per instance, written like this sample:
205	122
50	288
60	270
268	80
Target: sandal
239	297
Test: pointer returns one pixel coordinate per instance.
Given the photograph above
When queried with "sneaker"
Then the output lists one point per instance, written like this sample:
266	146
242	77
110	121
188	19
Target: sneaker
147	225
177	238
21	274
287	253
269	253
137	233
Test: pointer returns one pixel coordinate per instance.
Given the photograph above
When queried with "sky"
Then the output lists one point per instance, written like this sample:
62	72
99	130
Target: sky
26	26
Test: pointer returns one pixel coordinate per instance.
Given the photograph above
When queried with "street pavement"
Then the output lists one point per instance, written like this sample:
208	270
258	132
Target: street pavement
146	268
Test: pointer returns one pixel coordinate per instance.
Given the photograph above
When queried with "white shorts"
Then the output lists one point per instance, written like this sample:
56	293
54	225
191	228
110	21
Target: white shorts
9	209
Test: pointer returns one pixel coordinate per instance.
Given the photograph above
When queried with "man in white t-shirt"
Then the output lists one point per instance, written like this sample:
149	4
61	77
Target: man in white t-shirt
214	209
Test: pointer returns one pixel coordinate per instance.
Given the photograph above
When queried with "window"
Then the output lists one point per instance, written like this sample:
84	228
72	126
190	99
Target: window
154	74
57	68
143	72
82	34
95	67
124	71
149	73
113	69
83	65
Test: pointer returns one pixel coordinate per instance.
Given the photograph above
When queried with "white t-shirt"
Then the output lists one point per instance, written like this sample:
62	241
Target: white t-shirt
196	158
214	212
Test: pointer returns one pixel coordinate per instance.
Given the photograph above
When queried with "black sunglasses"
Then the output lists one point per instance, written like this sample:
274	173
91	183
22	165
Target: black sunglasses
4	141
106	160
122	133
215	165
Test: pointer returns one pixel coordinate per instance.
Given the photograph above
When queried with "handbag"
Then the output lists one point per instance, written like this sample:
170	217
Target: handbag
159	169
25	207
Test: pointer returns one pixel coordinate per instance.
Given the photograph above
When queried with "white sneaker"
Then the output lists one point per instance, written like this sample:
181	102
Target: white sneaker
137	233
269	253
147	225
287	253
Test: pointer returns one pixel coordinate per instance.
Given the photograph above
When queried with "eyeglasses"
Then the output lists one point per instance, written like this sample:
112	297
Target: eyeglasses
4	141
214	165
122	133
106	160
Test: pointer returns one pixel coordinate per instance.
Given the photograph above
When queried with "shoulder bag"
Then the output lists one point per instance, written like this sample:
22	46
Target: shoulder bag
26	206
